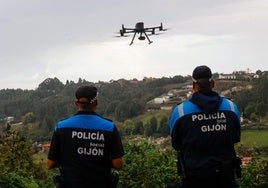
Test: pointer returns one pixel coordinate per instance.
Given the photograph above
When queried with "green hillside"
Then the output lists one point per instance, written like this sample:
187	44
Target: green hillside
136	106
29	116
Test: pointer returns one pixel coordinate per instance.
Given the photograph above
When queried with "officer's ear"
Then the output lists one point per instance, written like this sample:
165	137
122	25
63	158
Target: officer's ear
195	86
76	102
212	83
96	102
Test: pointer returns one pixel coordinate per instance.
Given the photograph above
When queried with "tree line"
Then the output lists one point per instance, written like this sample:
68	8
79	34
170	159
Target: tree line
122	101
147	164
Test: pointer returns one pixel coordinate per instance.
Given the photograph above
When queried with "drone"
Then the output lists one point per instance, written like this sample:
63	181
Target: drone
140	29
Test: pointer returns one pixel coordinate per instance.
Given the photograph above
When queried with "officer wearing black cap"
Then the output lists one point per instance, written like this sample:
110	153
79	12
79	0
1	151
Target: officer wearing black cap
204	130
86	146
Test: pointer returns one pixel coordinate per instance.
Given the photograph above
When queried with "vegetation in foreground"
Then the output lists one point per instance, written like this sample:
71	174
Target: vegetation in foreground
149	163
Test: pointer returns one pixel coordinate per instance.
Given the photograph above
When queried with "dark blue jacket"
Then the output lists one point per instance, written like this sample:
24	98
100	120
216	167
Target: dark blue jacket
84	146
204	130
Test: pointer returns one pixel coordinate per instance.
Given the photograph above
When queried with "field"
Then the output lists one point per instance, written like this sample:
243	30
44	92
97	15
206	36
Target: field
251	138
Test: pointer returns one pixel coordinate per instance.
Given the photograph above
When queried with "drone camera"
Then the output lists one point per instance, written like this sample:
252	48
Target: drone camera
141	38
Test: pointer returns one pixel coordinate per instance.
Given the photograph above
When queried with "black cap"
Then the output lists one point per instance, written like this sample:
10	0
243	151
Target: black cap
201	72
87	91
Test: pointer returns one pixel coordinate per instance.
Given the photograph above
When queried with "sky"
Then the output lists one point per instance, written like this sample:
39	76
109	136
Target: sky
72	39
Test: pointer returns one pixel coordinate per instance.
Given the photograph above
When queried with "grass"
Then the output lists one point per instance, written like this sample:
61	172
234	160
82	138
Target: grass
145	118
252	138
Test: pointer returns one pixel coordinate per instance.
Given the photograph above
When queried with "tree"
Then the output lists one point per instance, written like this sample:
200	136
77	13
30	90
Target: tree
135	108
150	128
261	88
121	111
28	118
51	85
261	109
128	127
153	124
110	109
256	111
250	109
242	98
148	131
18	167
138	129
48	124
163	127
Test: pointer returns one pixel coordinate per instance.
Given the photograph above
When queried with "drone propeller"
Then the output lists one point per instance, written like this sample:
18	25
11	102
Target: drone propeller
165	29
122	36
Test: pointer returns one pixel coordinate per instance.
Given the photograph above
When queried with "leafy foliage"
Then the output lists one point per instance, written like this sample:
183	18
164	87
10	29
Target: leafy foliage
18	166
13	180
153	165
148	165
255	173
253	103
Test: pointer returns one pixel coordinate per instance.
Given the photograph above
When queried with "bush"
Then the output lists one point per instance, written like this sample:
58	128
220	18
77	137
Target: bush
147	165
254	173
13	180
19	169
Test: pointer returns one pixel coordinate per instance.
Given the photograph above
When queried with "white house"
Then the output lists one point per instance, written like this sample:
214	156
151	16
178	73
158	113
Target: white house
227	76
9	119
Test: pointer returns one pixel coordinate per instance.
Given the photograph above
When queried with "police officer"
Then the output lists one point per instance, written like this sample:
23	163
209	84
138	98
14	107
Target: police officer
204	130
86	146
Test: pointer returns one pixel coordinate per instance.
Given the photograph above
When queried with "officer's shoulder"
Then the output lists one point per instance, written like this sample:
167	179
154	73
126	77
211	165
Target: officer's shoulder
60	123
107	119
104	118
226	98
183	102
179	103
63	119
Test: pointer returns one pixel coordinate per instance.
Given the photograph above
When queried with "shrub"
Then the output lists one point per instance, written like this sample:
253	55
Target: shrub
147	165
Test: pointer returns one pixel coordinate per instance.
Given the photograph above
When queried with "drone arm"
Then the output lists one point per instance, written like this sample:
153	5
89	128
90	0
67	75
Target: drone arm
129	29
151	28
133	31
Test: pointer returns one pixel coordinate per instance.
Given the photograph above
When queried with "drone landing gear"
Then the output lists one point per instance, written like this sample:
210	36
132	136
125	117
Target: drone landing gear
141	38
133	38
148	38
